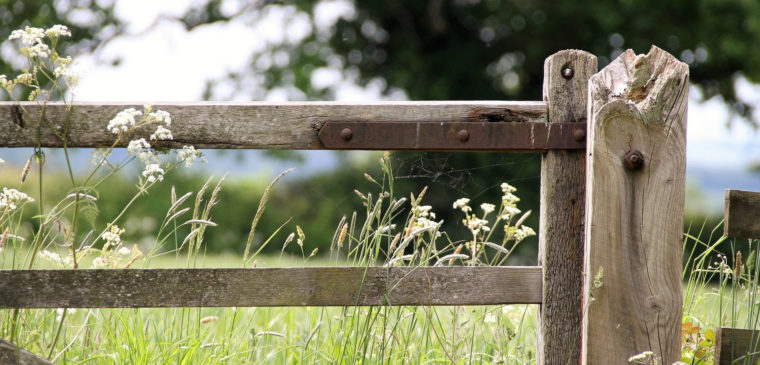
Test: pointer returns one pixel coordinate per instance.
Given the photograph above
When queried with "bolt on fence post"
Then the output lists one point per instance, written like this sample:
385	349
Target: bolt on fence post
634	209
560	238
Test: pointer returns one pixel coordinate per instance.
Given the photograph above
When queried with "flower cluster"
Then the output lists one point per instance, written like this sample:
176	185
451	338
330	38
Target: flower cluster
112	236
130	119
35	48
480	226
12	199
424	217
189	154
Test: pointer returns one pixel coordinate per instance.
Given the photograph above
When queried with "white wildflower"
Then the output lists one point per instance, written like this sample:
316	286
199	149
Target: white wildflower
24	78
161	134
58	31
124	251
462	203
509	212
487	208
71	77
123	121
99	155
29	36
140	148
523	232
507	189
100	262
160	116
11	199
509	199
642	358
153	172
112	236
39	50
50	256
475	225
4	82
189	154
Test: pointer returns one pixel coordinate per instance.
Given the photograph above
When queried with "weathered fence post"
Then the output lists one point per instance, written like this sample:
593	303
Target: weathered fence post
560	240
634	212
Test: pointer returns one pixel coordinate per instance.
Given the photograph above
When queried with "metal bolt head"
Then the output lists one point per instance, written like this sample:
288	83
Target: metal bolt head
567	72
579	135
463	135
633	160
346	134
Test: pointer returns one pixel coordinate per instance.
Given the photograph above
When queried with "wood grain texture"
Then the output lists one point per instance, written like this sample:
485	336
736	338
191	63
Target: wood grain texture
634	218
736	346
742	214
560	238
243	125
313	286
12	354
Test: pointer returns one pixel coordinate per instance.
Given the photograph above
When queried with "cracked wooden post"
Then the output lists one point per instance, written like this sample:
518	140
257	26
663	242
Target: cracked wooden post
560	238
634	212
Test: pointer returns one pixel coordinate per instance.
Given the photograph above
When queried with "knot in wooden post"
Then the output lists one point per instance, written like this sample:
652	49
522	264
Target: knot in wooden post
633	160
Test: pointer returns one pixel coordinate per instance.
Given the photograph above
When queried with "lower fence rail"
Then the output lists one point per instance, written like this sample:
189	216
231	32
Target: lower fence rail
268	287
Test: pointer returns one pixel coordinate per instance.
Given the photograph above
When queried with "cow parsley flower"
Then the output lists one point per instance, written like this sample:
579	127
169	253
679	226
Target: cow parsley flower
123	121
58	30
39	50
161	134
153	172
140	149
112	236
462	203
29	36
189	154
11	199
71	77
160	116
487	208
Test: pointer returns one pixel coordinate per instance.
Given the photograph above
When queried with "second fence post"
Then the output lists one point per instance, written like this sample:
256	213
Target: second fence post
634	212
560	238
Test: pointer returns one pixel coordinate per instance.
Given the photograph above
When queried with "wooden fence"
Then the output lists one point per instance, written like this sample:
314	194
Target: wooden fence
612	193
741	219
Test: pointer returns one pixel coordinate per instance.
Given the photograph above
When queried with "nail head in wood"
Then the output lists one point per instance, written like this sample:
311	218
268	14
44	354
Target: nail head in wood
579	135
346	134
463	135
633	160
567	72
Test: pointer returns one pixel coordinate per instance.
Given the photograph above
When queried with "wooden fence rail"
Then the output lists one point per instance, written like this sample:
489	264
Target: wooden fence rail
310	286
741	220
612	191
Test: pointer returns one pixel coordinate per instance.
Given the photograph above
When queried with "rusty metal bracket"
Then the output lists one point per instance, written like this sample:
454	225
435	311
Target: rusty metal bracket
453	136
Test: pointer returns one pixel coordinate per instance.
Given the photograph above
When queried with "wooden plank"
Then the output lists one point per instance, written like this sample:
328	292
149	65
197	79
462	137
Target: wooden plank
452	136
313	286
737	346
12	354
245	125
742	214
560	237
634	212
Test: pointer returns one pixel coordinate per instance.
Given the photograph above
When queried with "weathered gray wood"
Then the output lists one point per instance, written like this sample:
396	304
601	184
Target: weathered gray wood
634	217
560	238
313	286
12	354
737	346
742	214
246	125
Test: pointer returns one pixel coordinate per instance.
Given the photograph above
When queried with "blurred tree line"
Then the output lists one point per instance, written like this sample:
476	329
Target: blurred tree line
433	50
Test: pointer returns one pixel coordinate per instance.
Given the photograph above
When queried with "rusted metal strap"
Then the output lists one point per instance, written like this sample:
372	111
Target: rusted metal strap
453	136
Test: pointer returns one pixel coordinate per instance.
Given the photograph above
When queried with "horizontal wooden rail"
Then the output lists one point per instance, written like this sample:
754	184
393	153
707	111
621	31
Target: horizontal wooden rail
736	346
741	215
268	125
314	286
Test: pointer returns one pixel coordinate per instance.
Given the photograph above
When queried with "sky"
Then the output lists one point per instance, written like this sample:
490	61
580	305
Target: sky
161	61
